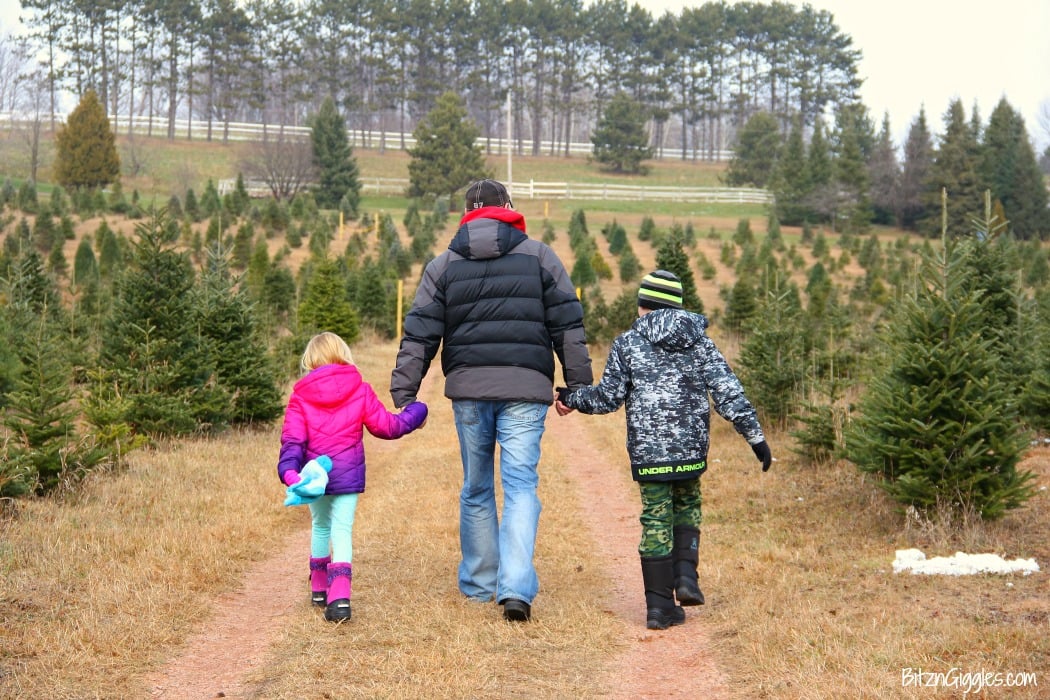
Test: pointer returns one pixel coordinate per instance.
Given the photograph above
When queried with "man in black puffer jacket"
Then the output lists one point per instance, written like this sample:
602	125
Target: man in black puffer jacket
499	305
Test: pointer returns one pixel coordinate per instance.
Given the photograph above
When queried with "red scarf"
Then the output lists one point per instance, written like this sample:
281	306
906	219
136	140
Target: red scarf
508	216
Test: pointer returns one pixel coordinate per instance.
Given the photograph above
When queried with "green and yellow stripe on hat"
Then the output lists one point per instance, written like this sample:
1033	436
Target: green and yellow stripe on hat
660	290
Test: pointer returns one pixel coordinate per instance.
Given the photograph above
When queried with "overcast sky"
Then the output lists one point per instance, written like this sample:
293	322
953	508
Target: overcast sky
919	53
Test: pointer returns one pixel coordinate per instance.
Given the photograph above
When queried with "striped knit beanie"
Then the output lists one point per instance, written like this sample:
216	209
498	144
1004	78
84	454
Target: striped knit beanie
660	290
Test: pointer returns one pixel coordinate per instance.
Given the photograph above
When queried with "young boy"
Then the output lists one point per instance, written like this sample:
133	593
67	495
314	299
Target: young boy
663	369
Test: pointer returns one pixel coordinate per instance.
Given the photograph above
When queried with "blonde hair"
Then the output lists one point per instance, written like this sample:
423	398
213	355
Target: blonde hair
325	349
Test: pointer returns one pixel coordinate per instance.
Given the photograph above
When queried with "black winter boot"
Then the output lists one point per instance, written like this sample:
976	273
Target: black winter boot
658	578
686	556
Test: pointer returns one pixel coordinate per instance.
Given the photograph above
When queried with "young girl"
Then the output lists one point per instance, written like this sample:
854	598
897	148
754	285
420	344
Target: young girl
327	411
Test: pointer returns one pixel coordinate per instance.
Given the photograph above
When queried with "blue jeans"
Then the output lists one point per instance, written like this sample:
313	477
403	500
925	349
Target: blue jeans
497	556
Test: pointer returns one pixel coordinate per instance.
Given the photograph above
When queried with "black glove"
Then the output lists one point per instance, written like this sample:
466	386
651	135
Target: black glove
563	392
761	450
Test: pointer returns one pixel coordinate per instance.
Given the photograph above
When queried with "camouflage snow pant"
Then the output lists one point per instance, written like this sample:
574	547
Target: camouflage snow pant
665	505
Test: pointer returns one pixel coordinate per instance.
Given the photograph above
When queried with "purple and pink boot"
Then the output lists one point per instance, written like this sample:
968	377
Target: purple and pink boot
319	580
339	576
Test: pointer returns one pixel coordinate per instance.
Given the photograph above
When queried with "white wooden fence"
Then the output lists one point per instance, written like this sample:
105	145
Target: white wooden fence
371	139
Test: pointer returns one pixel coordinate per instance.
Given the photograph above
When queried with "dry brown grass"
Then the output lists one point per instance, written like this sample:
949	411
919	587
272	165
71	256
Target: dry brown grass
101	589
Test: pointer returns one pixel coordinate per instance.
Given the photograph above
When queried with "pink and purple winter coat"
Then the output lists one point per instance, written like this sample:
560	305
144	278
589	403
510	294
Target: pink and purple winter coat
327	413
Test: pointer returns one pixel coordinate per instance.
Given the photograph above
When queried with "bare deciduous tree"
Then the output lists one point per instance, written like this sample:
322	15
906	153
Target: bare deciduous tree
284	162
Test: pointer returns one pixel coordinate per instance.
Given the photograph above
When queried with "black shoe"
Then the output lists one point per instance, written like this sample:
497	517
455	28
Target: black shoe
319	598
688	592
516	610
662	618
338	610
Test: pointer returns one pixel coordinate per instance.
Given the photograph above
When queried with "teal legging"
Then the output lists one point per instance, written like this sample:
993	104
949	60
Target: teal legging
333	526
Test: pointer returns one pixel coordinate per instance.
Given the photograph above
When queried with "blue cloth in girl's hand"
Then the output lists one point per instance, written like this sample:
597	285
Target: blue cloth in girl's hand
313	478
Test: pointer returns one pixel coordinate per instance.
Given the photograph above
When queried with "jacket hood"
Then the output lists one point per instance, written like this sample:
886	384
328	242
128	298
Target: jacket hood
671	329
329	385
488	232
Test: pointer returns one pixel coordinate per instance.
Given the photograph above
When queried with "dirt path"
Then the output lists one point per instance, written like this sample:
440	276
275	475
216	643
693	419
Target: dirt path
215	660
686	668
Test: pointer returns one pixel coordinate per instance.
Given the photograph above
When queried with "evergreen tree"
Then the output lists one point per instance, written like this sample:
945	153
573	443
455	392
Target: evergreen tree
210	203
242	246
821	197
671	257
583	274
159	374
334	159
937	424
85	147
46	449
1008	167
772	357
373	298
1035	397
620	140
884	173
243	368
954	170
853	207
325	306
616	235
27	198
192	207
85	267
756	153
446	156
630	267
742	305
791	183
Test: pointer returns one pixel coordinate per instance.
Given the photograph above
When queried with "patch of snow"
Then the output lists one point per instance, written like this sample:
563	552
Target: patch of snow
960	564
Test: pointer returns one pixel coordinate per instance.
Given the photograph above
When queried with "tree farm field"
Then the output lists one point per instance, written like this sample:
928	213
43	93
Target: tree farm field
104	588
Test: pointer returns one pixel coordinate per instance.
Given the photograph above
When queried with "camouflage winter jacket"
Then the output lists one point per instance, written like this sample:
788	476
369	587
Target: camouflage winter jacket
664	368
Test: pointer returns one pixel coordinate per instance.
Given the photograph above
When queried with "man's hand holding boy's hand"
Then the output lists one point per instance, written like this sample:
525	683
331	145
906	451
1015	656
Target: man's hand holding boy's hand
559	401
761	450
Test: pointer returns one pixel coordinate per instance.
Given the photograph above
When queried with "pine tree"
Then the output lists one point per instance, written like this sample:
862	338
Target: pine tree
85	267
620	140
791	183
1007	166
853	207
937	423
884	173
334	159
954	170
1035	397
772	357
46	449
325	306
446	156
85	147
756	153
820	197
243	368
742	305
156	363
630	267
671	257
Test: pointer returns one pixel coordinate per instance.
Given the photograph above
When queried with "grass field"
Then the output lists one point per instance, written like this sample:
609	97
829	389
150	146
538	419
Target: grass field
100	587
